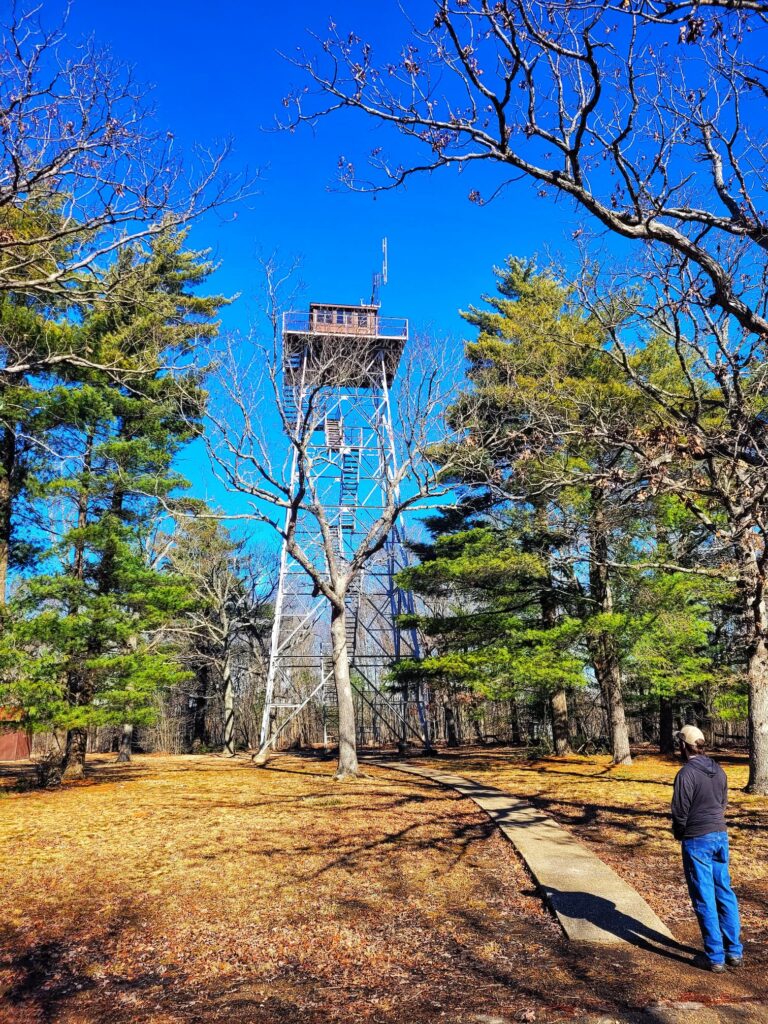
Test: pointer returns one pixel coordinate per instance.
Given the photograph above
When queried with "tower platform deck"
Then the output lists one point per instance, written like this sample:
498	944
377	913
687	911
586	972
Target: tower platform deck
341	346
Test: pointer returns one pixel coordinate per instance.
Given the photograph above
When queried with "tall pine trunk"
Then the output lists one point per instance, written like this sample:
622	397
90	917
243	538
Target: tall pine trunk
558	701
78	689
451	735
347	733
126	742
518	737
7	474
755	624
608	674
666	726
74	754
228	695
558	707
602	645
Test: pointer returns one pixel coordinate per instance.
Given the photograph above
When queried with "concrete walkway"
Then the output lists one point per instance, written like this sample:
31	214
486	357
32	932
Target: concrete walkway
588	898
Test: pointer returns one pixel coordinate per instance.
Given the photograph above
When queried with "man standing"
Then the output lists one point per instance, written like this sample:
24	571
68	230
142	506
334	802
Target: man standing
698	818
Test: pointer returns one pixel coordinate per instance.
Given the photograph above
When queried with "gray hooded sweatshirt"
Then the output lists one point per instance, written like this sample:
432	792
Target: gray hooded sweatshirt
699	798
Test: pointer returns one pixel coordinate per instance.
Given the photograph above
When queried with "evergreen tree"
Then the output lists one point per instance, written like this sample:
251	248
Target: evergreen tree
84	623
499	633
38	343
547	424
537	377
85	650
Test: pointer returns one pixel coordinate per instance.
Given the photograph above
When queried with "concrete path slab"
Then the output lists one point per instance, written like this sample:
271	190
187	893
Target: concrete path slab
748	1012
591	902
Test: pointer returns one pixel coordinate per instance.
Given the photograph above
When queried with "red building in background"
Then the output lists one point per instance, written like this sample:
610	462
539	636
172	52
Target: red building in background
15	741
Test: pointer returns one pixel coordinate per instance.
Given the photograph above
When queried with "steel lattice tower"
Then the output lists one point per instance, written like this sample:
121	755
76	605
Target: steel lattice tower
338	367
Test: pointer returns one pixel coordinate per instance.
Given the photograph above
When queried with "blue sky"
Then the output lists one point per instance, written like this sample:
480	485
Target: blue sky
216	72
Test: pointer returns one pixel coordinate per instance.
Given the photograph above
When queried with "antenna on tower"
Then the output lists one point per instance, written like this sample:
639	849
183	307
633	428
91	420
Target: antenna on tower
380	277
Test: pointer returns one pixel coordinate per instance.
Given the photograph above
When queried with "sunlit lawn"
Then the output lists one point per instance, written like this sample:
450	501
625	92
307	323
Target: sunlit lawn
623	813
200	889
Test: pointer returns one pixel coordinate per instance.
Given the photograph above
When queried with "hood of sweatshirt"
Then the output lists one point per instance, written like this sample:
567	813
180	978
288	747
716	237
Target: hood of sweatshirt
700	763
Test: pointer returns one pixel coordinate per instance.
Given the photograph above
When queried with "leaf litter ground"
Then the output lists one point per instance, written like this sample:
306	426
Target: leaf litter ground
198	889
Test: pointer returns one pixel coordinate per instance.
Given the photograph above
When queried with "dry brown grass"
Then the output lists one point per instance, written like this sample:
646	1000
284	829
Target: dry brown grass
197	889
623	814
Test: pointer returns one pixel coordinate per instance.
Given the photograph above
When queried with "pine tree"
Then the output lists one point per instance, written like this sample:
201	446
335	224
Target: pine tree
537	377
35	341
499	633
547	425
86	627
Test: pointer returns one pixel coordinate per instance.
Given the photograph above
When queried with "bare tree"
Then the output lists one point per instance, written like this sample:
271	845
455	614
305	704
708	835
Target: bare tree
262	442
650	117
226	625
650	120
84	168
705	443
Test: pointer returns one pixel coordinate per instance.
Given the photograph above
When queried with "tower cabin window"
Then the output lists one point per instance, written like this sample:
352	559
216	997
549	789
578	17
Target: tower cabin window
354	320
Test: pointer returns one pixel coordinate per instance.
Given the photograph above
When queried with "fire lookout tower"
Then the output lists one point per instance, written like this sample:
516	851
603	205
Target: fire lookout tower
339	364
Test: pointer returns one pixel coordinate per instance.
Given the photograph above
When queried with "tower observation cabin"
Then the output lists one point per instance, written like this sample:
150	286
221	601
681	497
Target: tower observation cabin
341	346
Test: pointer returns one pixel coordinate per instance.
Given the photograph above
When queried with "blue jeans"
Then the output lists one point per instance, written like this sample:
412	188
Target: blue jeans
705	860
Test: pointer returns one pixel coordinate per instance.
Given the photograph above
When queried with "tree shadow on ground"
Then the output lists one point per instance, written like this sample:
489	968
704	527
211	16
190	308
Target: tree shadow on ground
69	967
69	976
21	777
492	951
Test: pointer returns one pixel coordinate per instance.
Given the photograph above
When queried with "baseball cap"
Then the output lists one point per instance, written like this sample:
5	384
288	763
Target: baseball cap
691	735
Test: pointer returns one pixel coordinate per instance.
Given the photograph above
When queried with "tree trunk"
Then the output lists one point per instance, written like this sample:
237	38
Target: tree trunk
126	741
605	657
666	726
452	737
73	765
608	674
520	737
648	730
78	688
199	731
347	733
757	678
7	473
558	702
558	706
478	731
422	708
229	708
755	624
514	724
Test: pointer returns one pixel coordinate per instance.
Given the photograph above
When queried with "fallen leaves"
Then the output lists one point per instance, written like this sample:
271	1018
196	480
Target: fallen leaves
199	889
622	812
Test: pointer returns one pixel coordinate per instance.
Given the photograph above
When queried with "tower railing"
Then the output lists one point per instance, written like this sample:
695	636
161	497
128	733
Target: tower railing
347	322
